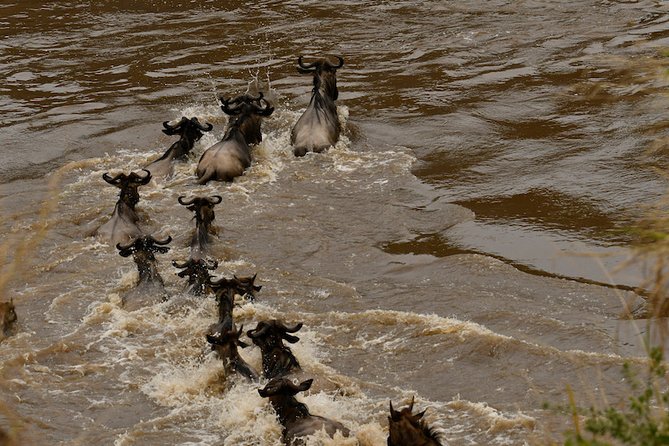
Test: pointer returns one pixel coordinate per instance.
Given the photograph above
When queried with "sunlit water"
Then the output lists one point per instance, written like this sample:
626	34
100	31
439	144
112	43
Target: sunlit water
461	244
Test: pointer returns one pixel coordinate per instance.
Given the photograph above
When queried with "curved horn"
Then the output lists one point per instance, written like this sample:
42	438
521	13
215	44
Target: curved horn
306	67
215	199
186	203
125	251
172	129
255	333
214	340
202	127
225	106
413	397
114	181
341	63
220	282
162	242
146	178
183	265
295	328
267	111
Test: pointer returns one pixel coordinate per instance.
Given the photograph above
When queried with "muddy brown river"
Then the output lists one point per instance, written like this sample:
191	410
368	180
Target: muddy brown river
464	243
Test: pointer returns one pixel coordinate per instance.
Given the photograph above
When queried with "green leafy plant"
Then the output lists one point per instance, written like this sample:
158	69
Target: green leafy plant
644	421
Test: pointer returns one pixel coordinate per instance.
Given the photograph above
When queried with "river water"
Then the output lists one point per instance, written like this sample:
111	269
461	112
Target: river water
461	244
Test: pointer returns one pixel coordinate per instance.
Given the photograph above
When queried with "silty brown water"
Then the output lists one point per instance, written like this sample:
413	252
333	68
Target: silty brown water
440	250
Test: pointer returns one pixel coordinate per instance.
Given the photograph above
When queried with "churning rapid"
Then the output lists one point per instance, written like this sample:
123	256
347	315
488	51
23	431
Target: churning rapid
461	243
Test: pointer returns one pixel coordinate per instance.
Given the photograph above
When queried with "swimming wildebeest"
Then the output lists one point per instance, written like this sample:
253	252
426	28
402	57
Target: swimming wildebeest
198	274
226	290
277	358
408	429
122	226
230	157
225	344
150	282
7	317
190	131
295	417
318	128
203	207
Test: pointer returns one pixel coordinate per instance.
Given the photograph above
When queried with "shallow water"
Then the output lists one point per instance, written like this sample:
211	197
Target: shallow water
462	243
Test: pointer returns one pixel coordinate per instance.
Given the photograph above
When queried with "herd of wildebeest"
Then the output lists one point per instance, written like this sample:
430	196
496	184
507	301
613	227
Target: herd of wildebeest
317	129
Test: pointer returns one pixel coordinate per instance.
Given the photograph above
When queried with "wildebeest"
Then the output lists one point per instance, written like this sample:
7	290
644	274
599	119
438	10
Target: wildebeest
408	429
277	358
7	317
294	416
190	131
150	282
203	207
231	156
197	271
225	344
226	290
122	227
318	128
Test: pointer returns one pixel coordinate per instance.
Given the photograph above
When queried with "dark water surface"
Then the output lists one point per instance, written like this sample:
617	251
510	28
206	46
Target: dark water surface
461	244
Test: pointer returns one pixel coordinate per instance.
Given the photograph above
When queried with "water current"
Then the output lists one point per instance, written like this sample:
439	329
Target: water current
461	244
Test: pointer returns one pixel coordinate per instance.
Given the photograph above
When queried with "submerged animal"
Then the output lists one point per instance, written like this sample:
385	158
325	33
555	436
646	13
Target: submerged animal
294	416
203	207
7	317
197	271
277	358
230	157
190	131
150	282
225	344
226	290
408	429
123	227
318	128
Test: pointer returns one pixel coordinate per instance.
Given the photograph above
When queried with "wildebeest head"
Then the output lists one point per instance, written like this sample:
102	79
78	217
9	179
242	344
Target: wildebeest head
7	316
271	333
285	387
190	131
187	127
197	271
203	207
244	286
224	341
406	428
225	290
225	344
295	416
246	113
281	393
142	250
324	72
128	185
277	359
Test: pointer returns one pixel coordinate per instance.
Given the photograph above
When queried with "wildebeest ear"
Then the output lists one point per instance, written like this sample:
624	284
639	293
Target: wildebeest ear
305	385
394	415
290	338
